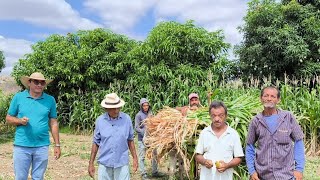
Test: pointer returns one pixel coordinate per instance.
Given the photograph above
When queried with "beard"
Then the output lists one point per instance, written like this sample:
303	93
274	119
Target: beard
269	105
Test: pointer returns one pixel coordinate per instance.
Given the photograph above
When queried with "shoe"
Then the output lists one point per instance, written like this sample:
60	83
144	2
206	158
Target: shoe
158	174
145	177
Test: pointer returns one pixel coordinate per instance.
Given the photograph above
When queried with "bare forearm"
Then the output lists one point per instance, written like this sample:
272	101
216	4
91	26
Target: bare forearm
54	126
234	162
13	120
94	150
200	159
132	149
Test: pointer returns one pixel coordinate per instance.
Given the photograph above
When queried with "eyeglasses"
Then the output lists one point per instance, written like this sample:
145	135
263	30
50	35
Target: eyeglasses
37	82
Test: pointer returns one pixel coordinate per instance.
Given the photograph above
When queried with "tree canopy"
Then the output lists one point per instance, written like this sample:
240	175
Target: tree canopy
174	60
280	38
2	61
79	62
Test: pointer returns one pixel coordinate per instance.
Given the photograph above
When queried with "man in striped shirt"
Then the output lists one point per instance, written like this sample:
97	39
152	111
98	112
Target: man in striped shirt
275	149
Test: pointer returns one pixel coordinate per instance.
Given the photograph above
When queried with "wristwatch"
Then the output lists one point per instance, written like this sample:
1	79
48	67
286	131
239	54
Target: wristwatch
57	145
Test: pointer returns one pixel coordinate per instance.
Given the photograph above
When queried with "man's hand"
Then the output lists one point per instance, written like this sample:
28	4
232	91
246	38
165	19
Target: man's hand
298	175
135	164
222	166
91	170
57	152
254	176
208	163
184	110
24	120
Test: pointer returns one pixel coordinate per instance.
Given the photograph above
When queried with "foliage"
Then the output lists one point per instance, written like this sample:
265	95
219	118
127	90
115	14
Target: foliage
5	130
173	44
2	61
280	37
80	62
86	65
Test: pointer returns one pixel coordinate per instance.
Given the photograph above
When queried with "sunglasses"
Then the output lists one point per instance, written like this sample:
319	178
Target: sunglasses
37	82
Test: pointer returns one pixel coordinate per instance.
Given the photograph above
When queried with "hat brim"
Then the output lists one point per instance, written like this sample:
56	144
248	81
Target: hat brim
25	81
109	106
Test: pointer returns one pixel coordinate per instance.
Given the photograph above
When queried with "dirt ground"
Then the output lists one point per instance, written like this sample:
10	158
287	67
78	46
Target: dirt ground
72	165
75	157
8	85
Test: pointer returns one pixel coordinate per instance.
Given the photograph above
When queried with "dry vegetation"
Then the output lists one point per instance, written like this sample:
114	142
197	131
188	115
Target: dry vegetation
72	165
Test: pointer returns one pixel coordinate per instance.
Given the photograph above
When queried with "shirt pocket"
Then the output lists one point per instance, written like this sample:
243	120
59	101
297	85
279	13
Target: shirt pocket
283	136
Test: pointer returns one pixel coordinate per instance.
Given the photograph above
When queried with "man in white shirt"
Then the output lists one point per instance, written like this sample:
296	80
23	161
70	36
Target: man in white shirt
219	146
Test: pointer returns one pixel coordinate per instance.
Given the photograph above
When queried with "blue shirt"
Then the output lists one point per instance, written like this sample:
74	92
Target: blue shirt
39	111
112	136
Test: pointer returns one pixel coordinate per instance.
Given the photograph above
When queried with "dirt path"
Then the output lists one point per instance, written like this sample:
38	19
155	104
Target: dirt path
71	166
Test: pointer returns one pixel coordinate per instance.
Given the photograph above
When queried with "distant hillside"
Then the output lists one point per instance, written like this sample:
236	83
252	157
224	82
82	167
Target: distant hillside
8	85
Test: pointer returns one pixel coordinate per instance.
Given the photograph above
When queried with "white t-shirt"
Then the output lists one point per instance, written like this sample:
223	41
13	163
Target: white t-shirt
213	148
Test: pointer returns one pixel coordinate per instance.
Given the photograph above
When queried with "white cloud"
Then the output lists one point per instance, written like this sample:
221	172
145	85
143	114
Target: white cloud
121	14
13	50
212	15
49	13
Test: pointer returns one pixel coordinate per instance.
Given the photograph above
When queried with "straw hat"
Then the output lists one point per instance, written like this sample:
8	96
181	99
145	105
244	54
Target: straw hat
37	76
112	101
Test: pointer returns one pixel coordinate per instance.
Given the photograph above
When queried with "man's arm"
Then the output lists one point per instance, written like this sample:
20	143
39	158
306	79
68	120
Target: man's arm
205	162
54	126
137	122
250	151
16	121
299	158
250	155
94	150
134	155
209	97
183	110
224	166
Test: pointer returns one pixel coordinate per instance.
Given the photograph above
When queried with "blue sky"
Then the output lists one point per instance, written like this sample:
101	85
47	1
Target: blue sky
24	22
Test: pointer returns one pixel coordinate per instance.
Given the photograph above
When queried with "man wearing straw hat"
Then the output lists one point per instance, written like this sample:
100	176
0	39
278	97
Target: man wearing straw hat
32	112
113	137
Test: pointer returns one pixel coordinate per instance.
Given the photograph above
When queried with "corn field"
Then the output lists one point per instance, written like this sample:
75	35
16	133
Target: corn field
241	98
302	97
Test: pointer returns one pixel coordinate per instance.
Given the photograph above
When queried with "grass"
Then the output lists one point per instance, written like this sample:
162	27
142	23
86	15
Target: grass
312	169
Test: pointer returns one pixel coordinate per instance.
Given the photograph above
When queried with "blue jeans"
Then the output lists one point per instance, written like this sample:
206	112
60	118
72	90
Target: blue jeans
142	154
24	157
109	173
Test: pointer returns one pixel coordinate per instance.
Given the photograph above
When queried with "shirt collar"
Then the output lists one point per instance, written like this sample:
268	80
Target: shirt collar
281	117
106	116
27	91
228	130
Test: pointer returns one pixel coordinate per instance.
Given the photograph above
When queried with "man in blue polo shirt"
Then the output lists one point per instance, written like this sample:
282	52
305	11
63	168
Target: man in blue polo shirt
33	112
113	138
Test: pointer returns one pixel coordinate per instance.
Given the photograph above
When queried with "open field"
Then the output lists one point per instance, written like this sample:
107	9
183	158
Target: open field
72	165
75	156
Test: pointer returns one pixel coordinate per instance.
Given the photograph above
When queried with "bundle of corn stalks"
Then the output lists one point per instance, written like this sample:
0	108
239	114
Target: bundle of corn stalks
168	130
